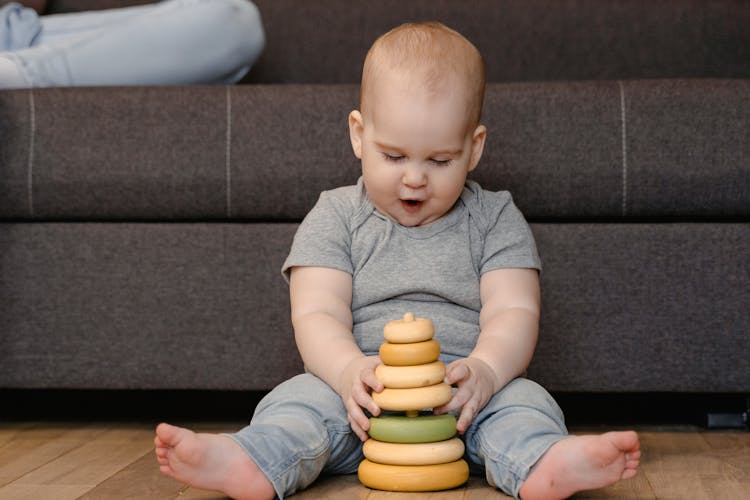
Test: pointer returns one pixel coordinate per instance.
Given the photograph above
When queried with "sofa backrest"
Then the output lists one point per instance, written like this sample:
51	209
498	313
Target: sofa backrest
521	40
658	150
325	41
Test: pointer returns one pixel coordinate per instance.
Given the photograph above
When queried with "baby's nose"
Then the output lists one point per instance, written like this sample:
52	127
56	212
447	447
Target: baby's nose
414	176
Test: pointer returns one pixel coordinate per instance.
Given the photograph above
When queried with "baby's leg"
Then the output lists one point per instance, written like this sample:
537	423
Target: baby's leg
299	430
521	440
211	462
582	463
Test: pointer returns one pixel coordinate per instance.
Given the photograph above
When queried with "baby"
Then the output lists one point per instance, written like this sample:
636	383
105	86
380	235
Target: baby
413	235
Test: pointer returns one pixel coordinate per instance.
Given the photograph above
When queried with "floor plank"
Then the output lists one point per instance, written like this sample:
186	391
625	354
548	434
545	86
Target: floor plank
334	488
139	480
86	463
42	492
734	451
679	465
142	478
33	446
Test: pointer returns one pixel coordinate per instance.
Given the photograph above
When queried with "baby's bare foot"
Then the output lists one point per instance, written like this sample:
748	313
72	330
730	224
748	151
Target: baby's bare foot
211	462
583	463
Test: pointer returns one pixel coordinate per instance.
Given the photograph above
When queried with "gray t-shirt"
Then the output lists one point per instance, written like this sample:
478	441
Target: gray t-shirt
432	271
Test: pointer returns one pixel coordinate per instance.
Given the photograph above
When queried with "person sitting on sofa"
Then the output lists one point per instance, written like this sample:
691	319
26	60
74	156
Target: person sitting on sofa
173	42
412	235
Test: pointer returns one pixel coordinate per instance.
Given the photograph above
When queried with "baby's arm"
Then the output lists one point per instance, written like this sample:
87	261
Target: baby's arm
321	301
509	326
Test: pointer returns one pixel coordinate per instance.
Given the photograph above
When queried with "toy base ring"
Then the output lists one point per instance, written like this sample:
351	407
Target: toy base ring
413	477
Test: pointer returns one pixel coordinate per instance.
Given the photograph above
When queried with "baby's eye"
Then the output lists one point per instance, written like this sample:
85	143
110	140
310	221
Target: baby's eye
441	162
392	157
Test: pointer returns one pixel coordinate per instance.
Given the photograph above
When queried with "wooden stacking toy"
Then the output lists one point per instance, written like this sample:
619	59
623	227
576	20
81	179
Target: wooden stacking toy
414	450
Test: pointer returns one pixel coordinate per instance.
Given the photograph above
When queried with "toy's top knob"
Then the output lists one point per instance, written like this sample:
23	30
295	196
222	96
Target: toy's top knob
409	329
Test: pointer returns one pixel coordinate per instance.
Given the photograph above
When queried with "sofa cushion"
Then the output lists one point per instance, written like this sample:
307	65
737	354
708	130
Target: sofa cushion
145	306
644	307
626	307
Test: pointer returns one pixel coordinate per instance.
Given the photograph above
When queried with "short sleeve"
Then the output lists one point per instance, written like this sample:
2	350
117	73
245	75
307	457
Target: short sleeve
508	242
323	239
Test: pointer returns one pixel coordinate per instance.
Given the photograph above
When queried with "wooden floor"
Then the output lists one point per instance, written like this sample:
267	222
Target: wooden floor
44	460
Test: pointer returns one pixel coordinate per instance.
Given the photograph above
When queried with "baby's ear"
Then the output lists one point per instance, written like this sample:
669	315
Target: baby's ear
477	146
356	129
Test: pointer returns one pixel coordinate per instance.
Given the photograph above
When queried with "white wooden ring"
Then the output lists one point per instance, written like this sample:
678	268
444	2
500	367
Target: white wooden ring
416	398
402	377
415	353
437	452
409	329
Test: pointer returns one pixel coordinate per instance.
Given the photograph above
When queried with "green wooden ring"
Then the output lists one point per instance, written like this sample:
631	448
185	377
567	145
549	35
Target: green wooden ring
419	429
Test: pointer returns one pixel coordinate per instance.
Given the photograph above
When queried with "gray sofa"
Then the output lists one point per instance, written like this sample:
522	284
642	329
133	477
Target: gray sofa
142	229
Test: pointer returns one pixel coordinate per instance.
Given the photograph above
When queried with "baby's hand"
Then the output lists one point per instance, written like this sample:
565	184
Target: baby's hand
356	383
476	385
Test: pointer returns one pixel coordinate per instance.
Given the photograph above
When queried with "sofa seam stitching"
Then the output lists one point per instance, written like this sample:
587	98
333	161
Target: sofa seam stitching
30	160
624	135
228	152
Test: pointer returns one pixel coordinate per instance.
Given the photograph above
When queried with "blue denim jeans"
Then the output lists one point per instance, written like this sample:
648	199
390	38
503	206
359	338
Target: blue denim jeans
168	43
300	430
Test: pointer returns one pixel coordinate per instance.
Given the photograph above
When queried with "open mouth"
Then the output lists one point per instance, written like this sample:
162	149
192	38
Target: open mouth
411	205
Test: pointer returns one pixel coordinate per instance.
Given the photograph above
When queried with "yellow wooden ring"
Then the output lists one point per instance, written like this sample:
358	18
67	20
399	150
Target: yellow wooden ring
420	429
438	452
413	477
409	329
402	377
416	398
415	353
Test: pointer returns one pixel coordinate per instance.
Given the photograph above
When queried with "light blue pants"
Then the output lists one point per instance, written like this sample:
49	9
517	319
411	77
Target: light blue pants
300	431
168	43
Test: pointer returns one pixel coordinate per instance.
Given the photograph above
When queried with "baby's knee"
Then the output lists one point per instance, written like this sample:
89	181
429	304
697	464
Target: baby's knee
305	394
527	393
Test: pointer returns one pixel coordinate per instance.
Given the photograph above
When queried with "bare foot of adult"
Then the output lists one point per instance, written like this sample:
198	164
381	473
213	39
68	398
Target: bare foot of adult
583	463
210	462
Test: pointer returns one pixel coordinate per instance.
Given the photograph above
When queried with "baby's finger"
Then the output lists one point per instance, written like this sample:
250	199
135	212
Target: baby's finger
460	397
456	372
359	431
357	416
370	380
363	399
468	412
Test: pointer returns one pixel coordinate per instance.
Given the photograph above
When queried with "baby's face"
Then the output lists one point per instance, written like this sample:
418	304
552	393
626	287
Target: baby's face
416	151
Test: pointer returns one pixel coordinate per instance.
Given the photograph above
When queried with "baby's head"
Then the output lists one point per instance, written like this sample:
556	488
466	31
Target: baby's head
429	56
417	131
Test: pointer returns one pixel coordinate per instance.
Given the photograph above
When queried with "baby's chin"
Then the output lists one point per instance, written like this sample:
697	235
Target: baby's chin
408	213
415	220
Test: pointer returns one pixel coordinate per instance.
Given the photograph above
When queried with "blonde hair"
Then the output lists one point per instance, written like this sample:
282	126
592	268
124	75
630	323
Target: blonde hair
432	54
